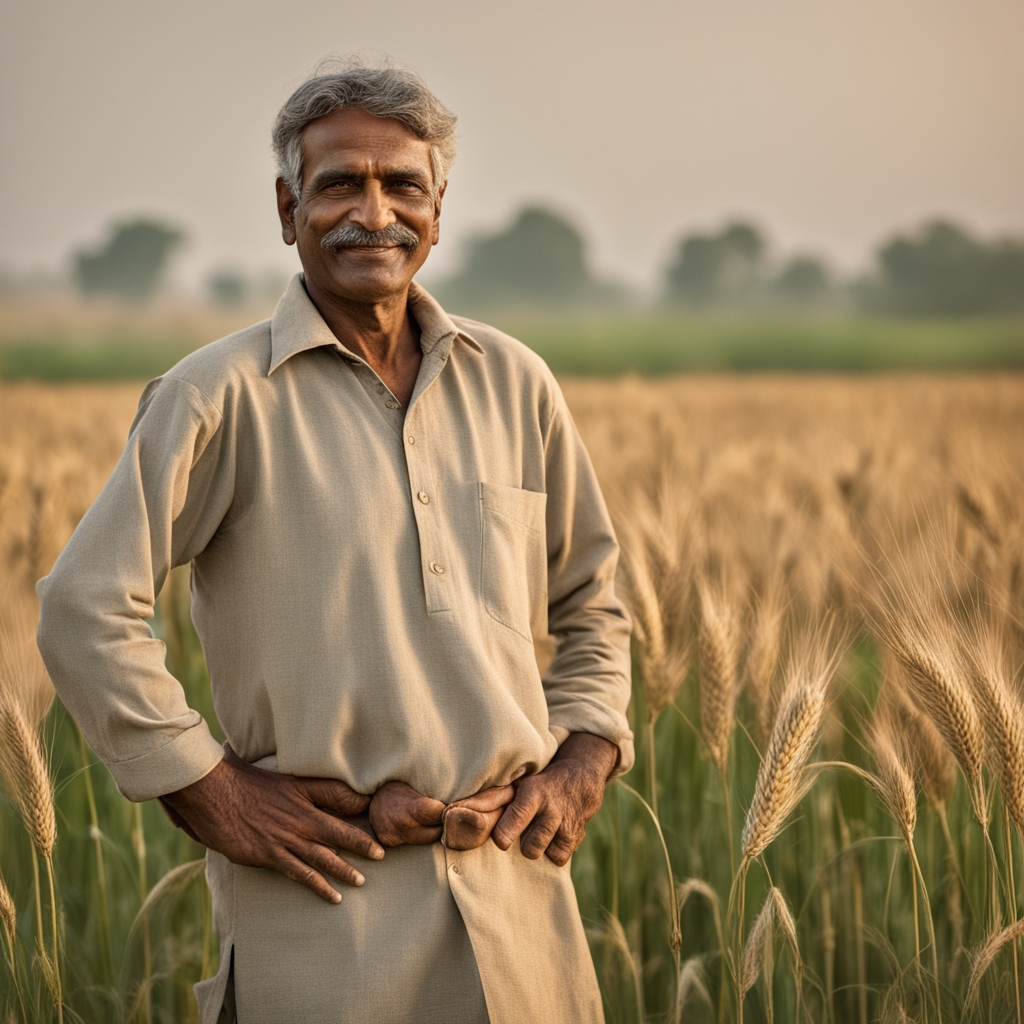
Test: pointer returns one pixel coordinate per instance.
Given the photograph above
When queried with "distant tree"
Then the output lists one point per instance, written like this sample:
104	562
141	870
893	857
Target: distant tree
804	280
130	263
712	269
540	259
943	270
227	288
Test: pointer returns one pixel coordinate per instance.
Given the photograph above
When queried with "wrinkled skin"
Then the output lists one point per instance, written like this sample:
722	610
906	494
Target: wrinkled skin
268	820
548	812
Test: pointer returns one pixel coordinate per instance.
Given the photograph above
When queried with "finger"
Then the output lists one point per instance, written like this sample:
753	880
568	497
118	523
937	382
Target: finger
487	800
426	811
563	846
327	862
290	866
538	836
421	835
330	831
466	829
334	795
516	816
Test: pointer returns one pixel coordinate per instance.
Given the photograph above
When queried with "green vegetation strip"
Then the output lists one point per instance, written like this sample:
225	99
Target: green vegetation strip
609	345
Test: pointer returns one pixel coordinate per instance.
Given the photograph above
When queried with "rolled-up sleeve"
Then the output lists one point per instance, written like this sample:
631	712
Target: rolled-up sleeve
164	501
587	684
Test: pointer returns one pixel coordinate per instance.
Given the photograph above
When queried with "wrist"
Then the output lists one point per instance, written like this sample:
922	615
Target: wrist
596	754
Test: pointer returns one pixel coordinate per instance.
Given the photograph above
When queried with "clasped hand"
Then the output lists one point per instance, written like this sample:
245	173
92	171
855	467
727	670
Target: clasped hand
292	824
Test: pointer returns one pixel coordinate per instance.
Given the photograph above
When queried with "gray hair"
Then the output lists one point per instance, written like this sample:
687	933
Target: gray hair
385	91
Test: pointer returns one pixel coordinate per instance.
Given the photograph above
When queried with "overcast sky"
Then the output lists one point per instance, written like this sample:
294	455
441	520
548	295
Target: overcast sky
831	122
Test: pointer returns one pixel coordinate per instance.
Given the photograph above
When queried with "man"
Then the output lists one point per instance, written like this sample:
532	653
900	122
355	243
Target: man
384	507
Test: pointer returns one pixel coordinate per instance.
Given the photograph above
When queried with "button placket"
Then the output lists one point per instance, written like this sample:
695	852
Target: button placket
435	566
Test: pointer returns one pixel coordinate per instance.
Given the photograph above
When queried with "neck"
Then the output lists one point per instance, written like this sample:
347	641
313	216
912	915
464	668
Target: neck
383	333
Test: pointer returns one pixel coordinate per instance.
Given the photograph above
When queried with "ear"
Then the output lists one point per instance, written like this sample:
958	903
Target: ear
437	213
286	203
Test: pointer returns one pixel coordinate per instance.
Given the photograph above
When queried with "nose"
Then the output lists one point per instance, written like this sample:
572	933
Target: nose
371	212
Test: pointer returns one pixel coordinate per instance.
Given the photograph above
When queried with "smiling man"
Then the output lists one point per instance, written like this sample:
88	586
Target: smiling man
384	508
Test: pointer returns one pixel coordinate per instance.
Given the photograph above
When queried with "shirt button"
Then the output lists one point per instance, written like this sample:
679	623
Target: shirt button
424	497
412	440
437	568
391	404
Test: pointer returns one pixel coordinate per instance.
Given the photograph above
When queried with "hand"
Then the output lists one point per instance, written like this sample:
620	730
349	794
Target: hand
400	815
267	820
468	823
551	809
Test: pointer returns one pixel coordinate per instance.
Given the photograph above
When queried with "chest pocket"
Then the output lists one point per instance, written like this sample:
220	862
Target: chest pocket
513	558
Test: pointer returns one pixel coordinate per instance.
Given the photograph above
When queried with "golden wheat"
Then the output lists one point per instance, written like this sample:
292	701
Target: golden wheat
781	780
719	682
984	955
893	778
1002	714
23	765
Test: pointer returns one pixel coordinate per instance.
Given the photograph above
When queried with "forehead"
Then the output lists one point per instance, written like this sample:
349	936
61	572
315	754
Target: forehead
351	137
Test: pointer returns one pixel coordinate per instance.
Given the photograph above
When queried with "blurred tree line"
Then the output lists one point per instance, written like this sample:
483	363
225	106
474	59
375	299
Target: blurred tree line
540	259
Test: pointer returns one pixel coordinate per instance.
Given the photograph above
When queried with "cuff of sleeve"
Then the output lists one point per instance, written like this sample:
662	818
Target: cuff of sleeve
599	720
173	765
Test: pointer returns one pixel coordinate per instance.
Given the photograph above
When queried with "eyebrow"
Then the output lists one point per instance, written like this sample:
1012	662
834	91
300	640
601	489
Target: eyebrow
325	177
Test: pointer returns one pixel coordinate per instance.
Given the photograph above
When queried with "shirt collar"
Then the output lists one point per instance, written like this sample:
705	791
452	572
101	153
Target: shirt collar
297	325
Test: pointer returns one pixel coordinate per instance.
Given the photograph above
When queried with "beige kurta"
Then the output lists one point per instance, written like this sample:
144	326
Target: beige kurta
367	582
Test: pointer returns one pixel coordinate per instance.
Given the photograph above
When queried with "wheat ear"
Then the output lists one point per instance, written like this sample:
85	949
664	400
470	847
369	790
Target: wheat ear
21	761
934	764
893	779
1003	717
8	913
936	680
985	954
775	913
718	640
781	780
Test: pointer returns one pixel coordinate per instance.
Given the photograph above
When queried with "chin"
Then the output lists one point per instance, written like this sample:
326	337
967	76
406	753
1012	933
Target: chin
370	287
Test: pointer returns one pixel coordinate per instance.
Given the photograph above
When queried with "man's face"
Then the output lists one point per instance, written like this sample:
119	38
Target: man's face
361	174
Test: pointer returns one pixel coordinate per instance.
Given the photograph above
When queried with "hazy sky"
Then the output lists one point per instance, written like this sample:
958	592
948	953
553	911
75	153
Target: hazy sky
832	122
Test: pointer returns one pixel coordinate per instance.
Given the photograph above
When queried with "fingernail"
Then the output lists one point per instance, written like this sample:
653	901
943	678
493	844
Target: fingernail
359	879
378	853
336	898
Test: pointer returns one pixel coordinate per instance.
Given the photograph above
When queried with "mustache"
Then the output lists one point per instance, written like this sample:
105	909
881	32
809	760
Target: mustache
350	236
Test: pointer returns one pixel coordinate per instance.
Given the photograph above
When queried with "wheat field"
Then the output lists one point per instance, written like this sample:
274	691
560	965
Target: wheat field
826	817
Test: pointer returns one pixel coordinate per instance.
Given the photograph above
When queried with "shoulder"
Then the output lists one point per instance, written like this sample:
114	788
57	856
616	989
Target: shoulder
509	360
244	354
205	386
225	366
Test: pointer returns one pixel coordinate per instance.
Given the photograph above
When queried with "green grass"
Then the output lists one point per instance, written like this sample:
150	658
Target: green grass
598	345
839	858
